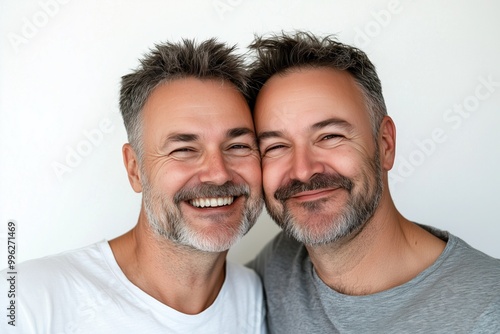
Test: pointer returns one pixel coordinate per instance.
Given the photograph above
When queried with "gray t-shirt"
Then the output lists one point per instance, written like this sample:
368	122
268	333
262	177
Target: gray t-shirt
459	293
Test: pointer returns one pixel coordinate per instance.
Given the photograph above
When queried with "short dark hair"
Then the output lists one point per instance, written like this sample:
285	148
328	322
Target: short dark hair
280	54
209	59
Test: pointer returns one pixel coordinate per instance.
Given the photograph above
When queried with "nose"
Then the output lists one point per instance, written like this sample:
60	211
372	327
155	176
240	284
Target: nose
305	164
215	169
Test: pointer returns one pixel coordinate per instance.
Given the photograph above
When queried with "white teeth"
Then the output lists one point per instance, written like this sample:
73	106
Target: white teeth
211	202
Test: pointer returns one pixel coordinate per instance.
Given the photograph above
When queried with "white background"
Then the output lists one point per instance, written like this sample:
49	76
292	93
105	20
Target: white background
60	68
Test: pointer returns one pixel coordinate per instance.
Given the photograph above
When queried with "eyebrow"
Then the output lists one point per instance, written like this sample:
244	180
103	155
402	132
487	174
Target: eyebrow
269	134
316	126
237	132
181	137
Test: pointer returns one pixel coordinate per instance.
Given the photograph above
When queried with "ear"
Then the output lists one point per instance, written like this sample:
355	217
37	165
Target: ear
387	143
132	166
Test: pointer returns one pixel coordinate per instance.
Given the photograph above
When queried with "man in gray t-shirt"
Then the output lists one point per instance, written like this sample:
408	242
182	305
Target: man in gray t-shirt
458	293
348	261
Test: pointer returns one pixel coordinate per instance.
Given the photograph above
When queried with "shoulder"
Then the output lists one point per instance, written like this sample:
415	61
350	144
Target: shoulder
473	261
464	272
473	280
72	257
236	272
458	253
280	253
44	284
241	300
56	271
242	284
281	245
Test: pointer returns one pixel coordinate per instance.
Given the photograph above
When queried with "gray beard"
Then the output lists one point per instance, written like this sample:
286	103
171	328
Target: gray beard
167	221
357	212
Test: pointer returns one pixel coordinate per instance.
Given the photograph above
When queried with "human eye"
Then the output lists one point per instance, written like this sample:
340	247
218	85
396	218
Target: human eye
183	152
273	150
240	149
330	138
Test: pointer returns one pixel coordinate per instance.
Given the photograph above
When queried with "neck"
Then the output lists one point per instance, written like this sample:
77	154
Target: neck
180	277
389	251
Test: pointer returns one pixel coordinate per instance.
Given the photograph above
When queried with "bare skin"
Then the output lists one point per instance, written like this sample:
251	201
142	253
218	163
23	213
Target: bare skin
195	132
384	255
298	139
183	279
389	251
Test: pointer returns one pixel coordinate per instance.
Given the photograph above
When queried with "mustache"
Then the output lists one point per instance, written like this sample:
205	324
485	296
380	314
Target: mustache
210	190
319	181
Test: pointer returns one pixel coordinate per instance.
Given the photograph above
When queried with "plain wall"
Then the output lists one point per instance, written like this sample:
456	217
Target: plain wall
60	68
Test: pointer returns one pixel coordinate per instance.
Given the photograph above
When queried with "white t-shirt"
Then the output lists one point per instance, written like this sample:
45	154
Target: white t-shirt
85	291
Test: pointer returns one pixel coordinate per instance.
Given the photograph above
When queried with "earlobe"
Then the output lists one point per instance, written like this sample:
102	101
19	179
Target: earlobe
132	166
387	143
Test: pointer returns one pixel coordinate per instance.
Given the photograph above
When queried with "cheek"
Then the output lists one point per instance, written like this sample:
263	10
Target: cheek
346	162
346	167
171	176
249	170
169	184
272	178
254	176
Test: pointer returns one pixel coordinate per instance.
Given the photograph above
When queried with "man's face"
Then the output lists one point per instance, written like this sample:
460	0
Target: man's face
321	171
200	174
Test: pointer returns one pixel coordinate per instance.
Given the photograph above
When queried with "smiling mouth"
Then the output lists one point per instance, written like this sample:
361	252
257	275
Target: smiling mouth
314	192
212	202
313	195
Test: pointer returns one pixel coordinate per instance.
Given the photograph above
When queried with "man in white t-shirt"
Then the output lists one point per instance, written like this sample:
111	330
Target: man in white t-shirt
192	153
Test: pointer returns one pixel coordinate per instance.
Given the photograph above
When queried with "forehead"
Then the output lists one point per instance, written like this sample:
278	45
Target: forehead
191	105
306	96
